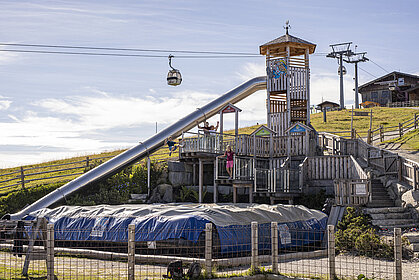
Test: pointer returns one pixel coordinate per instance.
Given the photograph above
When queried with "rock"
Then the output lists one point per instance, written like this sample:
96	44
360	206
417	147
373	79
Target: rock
163	187
168	195
155	196
411	198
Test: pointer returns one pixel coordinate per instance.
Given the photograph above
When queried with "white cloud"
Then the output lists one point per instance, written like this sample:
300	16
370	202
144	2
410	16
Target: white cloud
251	70
5	104
7	57
326	86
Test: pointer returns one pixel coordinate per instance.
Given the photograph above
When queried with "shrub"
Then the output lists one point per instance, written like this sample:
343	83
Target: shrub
356	234
17	200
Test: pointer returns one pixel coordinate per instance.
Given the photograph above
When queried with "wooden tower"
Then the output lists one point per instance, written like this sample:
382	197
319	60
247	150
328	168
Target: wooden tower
288	87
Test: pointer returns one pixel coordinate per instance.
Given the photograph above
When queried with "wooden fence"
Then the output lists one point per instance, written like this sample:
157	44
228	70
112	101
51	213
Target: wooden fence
388	163
381	133
27	177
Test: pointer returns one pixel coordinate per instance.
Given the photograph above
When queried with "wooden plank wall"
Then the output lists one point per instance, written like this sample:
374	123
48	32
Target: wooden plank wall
329	167
279	122
298	83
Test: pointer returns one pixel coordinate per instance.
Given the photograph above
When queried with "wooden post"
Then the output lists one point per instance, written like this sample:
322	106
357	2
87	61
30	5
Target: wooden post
369	137
131	252
274	238
371	120
208	250
201	180
381	133
254	261
22	177
398	253
400	130
400	168
50	252
416	121
331	251
234	193
324	115
87	162
250	194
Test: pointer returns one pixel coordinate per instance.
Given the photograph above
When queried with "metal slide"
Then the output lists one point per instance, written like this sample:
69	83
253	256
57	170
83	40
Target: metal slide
147	147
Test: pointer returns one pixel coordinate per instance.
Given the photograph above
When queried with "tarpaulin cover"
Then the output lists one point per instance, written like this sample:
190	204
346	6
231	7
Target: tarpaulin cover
298	225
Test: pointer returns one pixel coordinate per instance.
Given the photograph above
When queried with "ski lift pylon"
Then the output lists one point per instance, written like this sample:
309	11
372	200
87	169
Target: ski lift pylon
174	78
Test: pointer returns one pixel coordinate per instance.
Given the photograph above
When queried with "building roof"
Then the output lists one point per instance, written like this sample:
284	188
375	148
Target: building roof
328	102
280	43
386	76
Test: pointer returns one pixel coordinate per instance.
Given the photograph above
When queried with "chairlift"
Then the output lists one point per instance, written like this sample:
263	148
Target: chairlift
174	78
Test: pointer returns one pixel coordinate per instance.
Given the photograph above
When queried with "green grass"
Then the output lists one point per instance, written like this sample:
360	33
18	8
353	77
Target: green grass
341	120
409	141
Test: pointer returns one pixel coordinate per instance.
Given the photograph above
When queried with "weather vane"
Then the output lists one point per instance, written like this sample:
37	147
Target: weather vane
287	26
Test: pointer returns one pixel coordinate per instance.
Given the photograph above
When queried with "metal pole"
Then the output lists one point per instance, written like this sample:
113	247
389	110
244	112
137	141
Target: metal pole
148	176
201	179
342	101
356	86
352	123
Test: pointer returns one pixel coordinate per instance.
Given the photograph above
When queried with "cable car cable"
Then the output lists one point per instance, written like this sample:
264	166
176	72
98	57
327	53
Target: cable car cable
126	49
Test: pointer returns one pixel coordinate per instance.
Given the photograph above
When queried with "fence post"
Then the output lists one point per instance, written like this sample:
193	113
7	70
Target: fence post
131	252
254	261
331	251
369	136
50	252
400	130
208	249
22	177
87	162
274	237
416	120
381	133
400	168
398	253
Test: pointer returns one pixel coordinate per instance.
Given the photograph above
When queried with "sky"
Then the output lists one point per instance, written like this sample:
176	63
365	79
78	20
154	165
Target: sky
56	106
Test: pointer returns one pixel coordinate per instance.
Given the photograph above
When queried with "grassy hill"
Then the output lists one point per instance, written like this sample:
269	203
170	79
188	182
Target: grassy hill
341	120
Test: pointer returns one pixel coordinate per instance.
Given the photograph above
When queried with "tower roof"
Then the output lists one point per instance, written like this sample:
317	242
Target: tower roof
278	45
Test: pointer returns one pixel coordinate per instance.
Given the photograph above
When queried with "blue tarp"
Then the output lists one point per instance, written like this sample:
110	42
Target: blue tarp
297	225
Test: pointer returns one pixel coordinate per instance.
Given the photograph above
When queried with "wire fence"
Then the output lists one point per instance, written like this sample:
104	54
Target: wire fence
49	252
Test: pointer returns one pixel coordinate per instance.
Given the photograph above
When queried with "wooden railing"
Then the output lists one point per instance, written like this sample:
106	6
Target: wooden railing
411	103
243	144
388	163
352	191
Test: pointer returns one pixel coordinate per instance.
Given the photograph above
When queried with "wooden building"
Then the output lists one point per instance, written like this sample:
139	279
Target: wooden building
328	106
390	88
